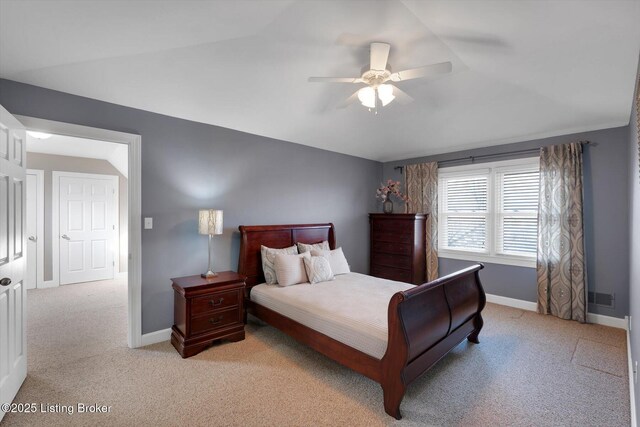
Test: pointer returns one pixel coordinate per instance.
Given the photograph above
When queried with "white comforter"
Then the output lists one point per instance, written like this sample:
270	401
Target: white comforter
351	309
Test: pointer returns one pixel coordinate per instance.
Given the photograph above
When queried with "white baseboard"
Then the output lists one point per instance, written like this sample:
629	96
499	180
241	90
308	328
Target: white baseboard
156	337
120	275
48	284
598	319
512	302
632	392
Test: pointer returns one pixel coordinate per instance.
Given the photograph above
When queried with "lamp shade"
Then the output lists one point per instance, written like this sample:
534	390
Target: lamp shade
210	221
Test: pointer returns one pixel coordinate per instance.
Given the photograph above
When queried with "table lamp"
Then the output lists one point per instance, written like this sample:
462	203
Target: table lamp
210	223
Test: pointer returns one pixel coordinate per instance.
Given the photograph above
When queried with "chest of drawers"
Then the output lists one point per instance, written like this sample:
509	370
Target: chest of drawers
397	250
206	310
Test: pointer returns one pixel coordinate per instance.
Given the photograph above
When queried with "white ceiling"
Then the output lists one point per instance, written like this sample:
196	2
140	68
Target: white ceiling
522	69
116	154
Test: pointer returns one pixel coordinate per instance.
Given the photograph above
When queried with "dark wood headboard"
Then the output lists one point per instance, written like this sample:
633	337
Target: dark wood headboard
276	236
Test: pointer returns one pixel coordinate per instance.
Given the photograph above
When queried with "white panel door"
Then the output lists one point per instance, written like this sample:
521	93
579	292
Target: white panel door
31	278
13	294
87	229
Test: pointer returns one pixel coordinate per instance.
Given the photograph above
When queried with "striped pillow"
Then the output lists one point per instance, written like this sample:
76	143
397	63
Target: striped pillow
268	259
290	269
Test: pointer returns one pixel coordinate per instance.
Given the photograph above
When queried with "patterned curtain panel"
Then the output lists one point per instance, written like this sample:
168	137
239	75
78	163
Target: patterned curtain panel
421	183
561	262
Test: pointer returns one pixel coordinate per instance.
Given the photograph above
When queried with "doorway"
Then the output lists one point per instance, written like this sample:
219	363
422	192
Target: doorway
127	264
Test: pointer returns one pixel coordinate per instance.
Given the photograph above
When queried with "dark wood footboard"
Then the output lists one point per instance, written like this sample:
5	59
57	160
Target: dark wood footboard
425	323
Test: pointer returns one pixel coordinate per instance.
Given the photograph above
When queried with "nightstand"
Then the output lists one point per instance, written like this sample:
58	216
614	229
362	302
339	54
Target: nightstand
207	310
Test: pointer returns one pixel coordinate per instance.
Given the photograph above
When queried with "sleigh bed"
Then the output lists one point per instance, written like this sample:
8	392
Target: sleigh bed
423	323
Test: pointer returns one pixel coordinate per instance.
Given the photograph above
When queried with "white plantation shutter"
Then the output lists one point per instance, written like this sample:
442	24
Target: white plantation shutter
517	222
490	211
465	202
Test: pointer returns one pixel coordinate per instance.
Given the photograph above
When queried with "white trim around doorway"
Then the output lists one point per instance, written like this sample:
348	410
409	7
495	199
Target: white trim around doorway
39	174
134	332
55	219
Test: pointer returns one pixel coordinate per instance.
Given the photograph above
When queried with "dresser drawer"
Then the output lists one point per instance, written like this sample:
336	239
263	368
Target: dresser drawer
391	236
391	248
391	273
215	320
391	260
215	301
398	225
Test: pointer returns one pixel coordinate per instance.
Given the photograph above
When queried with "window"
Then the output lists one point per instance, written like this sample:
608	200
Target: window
489	212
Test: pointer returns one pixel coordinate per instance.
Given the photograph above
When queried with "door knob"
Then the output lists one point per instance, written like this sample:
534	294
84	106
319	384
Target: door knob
65	237
32	238
5	281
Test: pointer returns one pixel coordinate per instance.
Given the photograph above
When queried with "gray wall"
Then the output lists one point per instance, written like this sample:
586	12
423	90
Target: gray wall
49	163
634	225
606	218
187	166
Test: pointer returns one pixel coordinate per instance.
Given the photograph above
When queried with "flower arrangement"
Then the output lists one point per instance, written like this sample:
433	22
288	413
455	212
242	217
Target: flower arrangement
391	189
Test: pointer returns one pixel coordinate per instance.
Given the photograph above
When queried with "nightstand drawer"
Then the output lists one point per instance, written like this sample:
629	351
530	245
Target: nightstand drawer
215	320
215	301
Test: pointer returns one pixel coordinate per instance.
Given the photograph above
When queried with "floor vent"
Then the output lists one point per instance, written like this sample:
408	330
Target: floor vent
605	300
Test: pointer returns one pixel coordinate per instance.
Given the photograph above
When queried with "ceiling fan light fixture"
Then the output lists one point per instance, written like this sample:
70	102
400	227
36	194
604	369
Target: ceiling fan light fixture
385	94
367	96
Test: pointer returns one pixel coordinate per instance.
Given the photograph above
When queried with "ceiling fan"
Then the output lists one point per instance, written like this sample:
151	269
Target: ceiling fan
377	76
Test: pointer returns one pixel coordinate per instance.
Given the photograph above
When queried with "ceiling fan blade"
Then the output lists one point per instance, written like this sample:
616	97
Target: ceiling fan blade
401	96
335	79
421	72
350	100
379	56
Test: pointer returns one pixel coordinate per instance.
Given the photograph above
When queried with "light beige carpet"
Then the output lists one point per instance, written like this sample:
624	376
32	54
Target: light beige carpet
528	370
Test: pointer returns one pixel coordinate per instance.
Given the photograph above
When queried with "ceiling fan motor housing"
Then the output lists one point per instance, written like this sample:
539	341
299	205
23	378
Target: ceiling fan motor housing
375	77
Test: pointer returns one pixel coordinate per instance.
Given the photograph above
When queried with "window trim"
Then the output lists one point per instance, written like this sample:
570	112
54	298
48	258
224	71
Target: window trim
490	255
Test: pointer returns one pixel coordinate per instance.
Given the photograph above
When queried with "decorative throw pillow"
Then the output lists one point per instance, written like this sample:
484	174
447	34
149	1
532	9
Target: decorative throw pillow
268	258
290	269
318	269
303	247
337	260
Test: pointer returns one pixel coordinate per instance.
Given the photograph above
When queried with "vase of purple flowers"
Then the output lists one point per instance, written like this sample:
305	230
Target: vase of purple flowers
392	188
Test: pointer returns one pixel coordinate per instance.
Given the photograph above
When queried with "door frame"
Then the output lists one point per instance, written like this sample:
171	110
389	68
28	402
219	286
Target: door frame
39	174
55	219
134	183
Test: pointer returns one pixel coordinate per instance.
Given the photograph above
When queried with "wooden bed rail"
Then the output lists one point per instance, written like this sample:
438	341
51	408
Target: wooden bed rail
425	323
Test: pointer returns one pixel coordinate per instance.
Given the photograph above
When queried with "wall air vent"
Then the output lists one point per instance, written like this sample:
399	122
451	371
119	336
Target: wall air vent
604	300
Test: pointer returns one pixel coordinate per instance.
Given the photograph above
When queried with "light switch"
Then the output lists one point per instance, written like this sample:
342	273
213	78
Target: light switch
148	223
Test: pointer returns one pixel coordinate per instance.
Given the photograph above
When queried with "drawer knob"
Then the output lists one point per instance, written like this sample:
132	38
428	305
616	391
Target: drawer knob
213	303
216	320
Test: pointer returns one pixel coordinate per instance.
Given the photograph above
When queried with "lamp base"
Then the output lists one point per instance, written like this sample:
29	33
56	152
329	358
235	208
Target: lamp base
209	275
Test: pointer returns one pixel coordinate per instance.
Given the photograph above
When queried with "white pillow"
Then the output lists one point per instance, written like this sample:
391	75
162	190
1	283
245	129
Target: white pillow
318	269
268	258
290	269
337	260
303	247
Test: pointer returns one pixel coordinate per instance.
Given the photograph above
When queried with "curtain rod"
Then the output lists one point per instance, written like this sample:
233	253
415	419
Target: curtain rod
485	156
